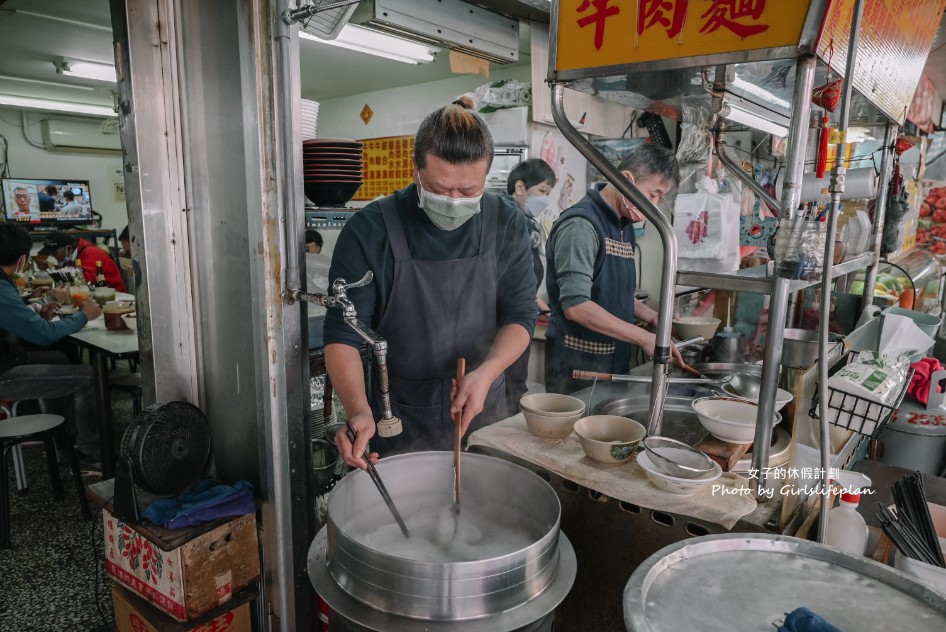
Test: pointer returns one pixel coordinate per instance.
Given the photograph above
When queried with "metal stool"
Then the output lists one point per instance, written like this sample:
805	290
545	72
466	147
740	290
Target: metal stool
8	410
29	428
130	384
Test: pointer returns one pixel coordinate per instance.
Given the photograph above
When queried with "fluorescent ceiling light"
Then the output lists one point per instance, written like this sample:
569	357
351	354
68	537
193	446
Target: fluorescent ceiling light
55	106
765	95
757	118
750	119
86	70
374	43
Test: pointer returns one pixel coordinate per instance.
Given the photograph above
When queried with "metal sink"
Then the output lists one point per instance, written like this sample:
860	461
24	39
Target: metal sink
680	422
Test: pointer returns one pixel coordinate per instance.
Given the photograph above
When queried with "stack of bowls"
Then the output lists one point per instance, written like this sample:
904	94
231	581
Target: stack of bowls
550	415
333	170
309	115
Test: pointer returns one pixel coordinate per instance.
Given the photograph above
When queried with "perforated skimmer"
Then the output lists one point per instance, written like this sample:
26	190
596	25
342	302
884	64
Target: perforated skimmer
677	458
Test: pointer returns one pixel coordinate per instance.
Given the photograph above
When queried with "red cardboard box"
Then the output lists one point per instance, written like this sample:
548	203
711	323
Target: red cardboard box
190	579
133	614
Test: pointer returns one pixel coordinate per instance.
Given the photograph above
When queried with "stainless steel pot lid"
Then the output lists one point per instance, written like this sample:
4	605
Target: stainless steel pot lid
499	552
749	582
519	617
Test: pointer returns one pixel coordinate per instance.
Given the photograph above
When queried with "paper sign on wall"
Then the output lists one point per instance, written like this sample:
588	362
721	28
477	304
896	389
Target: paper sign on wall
389	166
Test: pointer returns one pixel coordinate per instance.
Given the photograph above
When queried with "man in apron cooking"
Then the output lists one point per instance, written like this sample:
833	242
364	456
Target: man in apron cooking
452	279
591	276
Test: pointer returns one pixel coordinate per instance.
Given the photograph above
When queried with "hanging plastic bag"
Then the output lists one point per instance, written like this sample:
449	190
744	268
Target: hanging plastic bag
695	139
706	224
505	93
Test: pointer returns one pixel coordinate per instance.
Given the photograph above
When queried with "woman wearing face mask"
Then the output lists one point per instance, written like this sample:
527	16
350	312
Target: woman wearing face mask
451	280
529	185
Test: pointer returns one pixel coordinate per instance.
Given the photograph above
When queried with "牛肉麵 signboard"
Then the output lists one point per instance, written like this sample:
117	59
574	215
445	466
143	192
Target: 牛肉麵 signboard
603	33
893	44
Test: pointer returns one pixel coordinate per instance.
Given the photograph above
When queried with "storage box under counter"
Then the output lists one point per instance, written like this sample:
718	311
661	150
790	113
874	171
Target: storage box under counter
186	572
134	614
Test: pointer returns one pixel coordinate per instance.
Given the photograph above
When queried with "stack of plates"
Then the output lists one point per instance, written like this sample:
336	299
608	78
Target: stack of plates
309	114
333	170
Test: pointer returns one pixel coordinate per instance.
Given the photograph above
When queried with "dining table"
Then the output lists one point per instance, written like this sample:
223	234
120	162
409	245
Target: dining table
105	345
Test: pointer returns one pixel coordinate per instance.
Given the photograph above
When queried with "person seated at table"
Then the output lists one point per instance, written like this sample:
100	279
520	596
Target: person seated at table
67	247
37	371
316	270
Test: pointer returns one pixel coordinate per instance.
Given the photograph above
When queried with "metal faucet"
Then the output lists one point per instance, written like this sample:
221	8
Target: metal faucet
389	425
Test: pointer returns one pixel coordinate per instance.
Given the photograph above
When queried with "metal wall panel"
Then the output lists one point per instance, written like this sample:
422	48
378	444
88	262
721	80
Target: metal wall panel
208	123
154	194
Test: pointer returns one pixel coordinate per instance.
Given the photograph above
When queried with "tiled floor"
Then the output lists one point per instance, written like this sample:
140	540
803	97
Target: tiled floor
53	579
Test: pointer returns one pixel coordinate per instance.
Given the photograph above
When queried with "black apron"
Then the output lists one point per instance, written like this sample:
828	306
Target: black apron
439	311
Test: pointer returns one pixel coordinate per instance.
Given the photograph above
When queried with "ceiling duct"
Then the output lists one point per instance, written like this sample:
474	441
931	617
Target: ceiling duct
449	24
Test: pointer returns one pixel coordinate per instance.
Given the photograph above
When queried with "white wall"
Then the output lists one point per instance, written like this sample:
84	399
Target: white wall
102	170
399	111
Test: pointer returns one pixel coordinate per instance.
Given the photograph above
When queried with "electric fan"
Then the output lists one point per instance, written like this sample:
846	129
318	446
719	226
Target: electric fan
164	450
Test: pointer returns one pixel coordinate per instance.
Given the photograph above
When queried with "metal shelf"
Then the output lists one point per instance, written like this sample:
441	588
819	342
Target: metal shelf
327	218
756	279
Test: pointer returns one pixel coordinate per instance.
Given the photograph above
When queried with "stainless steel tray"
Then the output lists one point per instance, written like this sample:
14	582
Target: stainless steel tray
747	583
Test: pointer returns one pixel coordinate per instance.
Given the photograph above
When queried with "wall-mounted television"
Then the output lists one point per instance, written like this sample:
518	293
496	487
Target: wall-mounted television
47	202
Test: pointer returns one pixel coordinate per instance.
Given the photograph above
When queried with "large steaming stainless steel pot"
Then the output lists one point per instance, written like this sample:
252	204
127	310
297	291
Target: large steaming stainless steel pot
506	592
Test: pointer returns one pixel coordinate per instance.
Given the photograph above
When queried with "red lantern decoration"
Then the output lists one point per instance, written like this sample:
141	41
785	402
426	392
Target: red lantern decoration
903	144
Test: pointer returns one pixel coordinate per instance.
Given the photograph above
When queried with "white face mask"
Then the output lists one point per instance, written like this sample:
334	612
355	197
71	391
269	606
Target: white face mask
535	204
447	213
22	266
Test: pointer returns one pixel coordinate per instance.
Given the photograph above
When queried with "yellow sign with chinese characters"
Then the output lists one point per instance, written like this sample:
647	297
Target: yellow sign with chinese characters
596	33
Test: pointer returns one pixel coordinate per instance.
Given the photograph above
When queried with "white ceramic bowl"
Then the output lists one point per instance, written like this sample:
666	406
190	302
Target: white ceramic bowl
550	427
674	484
729	419
67	310
609	439
131	321
691	326
782	397
552	405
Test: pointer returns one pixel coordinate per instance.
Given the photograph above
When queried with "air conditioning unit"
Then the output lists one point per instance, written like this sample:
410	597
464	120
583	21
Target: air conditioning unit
449	24
80	136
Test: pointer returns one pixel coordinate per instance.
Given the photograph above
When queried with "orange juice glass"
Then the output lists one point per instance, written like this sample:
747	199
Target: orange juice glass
78	295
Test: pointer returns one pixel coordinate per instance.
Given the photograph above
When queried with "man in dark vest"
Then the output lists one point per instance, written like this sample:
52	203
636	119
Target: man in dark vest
591	276
453	279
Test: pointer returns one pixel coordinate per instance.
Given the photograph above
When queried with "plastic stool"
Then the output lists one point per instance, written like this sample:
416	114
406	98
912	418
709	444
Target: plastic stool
30	428
130	384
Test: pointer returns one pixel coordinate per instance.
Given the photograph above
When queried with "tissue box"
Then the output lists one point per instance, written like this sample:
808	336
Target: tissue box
133	614
193	578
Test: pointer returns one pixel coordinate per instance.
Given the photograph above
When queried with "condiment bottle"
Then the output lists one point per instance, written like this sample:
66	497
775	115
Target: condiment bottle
846	528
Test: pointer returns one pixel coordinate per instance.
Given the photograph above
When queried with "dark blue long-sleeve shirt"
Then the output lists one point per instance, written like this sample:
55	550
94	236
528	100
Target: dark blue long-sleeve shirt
21	320
363	245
